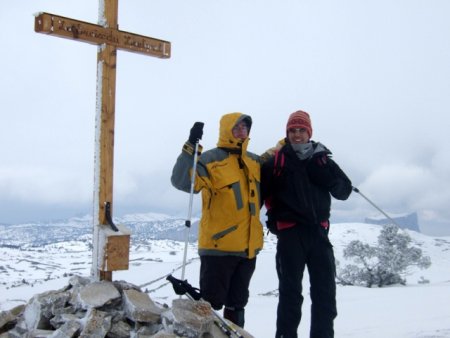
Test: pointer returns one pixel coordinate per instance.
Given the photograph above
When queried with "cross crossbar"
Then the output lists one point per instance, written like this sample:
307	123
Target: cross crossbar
63	27
110	248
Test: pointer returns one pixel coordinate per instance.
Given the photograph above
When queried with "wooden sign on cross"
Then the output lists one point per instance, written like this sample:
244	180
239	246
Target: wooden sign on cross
109	248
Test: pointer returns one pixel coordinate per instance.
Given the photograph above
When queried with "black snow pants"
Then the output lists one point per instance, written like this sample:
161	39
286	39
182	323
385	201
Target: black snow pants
299	247
225	280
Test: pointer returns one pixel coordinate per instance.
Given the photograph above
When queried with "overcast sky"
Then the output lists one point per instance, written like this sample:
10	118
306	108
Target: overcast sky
374	75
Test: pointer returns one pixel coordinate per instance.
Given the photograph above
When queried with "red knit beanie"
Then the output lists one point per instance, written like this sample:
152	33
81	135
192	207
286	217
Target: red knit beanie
299	119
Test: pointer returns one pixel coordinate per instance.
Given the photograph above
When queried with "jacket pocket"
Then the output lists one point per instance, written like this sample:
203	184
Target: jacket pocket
223	233
226	189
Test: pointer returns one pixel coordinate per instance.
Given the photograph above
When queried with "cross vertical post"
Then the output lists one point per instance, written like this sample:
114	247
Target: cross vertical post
104	132
110	242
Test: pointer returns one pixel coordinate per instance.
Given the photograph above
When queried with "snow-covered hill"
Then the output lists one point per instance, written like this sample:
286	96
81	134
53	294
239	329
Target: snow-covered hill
143	226
411	311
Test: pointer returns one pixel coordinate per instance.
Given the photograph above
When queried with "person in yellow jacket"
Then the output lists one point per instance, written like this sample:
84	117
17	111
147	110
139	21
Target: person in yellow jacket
230	231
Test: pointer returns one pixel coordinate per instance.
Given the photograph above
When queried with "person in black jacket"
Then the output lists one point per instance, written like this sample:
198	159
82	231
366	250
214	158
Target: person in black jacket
297	183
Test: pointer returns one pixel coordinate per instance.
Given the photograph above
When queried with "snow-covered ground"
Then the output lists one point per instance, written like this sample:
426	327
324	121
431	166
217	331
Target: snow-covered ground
417	310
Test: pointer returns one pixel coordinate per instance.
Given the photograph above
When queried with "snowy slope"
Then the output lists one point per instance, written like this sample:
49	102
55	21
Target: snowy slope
411	311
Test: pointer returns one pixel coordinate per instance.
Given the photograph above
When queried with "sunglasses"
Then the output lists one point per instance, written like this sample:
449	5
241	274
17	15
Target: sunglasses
240	128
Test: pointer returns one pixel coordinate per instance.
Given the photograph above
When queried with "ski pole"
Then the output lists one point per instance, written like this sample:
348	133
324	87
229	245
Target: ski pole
189	216
375	206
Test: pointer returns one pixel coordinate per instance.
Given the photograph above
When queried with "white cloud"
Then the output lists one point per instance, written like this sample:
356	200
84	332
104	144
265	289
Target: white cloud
374	76
44	185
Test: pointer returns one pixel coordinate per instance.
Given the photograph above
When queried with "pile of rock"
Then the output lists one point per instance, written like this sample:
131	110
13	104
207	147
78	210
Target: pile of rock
86	308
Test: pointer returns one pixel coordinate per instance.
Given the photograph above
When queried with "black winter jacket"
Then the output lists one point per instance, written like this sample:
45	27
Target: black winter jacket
299	190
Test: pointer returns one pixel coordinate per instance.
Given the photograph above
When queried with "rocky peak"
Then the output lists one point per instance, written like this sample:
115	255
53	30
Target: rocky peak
86	308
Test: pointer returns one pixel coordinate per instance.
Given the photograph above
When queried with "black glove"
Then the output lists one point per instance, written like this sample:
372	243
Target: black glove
271	223
320	171
196	132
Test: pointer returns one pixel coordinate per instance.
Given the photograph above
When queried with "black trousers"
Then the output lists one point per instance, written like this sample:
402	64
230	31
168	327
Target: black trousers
225	280
296	248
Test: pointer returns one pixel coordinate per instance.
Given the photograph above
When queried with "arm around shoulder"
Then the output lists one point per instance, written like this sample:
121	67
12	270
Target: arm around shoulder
271	151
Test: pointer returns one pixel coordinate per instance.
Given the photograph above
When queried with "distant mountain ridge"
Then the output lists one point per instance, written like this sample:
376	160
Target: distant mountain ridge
405	221
143	226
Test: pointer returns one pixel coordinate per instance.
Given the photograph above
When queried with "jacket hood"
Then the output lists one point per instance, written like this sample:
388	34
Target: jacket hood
320	148
227	122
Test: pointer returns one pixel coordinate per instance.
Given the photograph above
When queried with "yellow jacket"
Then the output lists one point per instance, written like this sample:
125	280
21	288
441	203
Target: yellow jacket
229	178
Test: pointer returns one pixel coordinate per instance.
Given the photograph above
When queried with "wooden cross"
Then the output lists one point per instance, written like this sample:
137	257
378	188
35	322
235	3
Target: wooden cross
108	248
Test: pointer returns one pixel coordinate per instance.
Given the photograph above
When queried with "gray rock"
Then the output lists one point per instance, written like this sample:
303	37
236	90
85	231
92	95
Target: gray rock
38	333
122	285
163	335
79	281
70	329
42	307
139	307
98	323
103	309
8	319
97	294
60	319
18	332
119	329
192	319
148	331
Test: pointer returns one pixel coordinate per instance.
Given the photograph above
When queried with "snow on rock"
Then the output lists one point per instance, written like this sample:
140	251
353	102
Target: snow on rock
192	317
140	308
118	309
98	324
40	308
97	294
8	319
